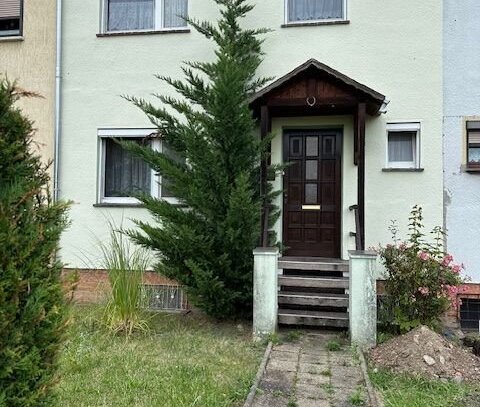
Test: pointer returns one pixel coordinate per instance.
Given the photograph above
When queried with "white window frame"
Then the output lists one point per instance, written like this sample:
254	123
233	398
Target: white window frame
155	180
324	20
158	22
404	127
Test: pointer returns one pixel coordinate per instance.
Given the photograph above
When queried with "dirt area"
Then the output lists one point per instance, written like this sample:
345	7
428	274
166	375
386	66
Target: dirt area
427	353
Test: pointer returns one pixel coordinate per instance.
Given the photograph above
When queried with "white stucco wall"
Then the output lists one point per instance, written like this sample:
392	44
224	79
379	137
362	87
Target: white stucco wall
392	47
461	103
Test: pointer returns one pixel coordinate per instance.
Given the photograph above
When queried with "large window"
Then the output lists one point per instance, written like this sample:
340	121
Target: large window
144	15
11	18
403	145
473	144
123	176
301	11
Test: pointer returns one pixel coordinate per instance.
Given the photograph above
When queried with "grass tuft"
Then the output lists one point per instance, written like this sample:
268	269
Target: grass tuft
333	346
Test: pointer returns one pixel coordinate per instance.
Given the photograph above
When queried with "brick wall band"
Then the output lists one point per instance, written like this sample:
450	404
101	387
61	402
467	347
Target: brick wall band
93	285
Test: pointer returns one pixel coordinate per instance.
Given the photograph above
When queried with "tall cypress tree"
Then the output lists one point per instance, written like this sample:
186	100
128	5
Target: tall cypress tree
32	305
214	169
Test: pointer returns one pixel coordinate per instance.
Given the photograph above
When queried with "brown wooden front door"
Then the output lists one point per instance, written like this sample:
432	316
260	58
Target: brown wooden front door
312	193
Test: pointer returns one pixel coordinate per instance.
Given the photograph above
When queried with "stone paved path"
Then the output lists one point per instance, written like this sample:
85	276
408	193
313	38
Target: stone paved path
305	373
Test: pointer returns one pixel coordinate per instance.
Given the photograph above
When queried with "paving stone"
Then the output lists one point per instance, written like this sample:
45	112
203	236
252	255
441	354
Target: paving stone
287	347
283	365
313	379
277	381
311	391
280	355
314	359
306	402
268	399
313	368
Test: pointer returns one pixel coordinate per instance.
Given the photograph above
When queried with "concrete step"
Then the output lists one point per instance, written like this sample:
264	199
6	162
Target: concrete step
317	282
312	299
312	263
313	318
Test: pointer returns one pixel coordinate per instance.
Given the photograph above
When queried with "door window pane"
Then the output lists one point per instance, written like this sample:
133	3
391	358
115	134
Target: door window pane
311	169
312	146
311	193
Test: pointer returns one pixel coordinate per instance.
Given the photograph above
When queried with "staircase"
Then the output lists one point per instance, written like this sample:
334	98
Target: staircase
313	292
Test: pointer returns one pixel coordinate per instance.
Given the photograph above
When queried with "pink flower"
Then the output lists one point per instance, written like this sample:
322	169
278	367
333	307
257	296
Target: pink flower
447	260
424	290
423	255
456	268
402	246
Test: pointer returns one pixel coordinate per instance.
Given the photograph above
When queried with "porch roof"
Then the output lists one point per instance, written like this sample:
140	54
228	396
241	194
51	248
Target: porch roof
319	89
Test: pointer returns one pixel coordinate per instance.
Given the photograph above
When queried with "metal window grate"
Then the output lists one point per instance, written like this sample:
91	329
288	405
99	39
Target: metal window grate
164	297
470	313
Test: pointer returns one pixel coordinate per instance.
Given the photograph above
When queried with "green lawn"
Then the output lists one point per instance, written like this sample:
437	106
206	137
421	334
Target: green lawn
406	391
184	361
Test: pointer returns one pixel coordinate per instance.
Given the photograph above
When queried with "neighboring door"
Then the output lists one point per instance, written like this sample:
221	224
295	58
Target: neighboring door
312	193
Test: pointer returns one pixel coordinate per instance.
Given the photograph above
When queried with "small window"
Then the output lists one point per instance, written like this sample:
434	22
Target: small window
301	11
470	313
122	175
403	145
11	12
145	15
473	144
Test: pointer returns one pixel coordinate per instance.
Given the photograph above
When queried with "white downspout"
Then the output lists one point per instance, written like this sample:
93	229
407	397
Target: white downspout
58	83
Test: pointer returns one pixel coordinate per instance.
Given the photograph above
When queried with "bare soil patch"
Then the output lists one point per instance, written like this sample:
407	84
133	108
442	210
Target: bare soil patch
424	352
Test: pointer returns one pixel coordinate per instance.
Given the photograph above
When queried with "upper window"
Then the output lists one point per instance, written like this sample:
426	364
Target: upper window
145	15
122	175
473	144
300	11
11	18
403	145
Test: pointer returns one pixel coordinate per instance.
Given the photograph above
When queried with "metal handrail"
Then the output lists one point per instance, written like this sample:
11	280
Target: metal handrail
357	234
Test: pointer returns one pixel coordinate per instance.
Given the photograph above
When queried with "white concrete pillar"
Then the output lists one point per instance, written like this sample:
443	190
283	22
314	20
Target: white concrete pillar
265	291
363	298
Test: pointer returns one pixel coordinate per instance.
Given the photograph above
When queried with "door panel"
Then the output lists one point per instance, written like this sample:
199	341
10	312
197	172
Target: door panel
312	198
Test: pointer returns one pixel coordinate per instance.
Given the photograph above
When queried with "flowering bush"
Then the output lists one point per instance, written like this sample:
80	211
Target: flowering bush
422	280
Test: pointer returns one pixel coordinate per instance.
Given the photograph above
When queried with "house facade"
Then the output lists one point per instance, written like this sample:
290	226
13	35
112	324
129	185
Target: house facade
461	145
462	134
28	55
357	104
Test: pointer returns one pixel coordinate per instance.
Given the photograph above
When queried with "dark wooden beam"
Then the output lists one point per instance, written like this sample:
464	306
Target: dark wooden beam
361	113
319	102
265	125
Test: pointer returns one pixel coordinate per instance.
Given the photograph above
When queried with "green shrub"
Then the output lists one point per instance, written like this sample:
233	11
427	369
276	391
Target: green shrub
422	280
125	265
33	313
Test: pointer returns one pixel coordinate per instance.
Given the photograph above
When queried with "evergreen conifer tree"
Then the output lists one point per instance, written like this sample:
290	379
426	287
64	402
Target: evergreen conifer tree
32	305
212	167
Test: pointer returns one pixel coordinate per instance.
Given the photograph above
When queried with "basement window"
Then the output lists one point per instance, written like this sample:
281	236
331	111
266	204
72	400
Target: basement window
124	176
470	314
164	298
11	13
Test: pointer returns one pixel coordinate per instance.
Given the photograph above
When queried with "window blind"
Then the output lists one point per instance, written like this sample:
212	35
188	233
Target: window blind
10	9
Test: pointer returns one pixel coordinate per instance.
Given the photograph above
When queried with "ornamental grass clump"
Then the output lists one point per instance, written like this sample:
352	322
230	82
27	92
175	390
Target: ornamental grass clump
422	280
125	265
